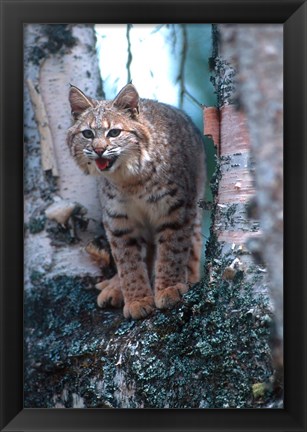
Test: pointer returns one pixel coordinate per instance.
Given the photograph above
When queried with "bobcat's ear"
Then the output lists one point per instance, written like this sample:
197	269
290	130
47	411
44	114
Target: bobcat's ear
79	102
128	99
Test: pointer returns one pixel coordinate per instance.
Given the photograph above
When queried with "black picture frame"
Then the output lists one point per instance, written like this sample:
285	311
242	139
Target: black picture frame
14	13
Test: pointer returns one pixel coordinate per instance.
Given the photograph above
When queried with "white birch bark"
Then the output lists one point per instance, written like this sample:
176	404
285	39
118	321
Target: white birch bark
50	171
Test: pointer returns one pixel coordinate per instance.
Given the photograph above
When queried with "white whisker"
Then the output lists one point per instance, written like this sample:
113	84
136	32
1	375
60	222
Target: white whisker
90	154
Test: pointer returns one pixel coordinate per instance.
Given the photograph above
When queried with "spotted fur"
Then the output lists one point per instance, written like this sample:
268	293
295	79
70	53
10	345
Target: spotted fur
149	161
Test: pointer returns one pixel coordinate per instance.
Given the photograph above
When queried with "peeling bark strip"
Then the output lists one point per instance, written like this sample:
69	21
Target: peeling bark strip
212	125
234	131
46	141
228	128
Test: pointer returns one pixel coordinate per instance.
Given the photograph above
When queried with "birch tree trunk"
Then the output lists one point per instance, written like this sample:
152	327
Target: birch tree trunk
260	73
55	56
209	352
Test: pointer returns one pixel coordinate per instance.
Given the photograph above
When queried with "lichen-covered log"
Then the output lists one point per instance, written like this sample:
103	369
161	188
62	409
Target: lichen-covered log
209	352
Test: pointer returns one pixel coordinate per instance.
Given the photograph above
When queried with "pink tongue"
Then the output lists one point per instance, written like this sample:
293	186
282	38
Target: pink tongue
102	163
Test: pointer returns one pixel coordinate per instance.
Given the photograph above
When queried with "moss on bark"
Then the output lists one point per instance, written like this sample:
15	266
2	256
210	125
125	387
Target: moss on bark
208	352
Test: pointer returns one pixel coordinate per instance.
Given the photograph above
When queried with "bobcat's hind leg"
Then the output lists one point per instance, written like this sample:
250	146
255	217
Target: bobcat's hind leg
173	246
195	252
111	293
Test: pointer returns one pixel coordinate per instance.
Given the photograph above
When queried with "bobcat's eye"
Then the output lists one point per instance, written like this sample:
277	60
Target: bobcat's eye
114	133
88	133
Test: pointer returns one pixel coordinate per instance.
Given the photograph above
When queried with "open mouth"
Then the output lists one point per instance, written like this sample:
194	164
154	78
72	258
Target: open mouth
104	164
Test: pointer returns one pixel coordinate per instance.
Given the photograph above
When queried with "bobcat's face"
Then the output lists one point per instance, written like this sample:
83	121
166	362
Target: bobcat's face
106	140
106	137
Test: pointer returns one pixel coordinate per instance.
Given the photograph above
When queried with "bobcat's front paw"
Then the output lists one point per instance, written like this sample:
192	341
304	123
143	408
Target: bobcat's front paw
111	294
139	308
170	296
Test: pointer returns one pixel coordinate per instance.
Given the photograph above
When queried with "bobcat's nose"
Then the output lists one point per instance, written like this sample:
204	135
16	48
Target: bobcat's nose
99	151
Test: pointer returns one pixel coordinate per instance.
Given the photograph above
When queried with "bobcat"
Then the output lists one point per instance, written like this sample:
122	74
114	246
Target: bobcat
149	161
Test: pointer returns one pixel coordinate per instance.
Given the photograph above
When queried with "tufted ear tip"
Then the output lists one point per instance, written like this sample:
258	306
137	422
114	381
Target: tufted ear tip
128	99
79	102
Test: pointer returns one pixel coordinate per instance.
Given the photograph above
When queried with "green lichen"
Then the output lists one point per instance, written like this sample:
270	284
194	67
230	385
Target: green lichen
231	210
234	216
216	177
223	81
259	390
36	277
36	224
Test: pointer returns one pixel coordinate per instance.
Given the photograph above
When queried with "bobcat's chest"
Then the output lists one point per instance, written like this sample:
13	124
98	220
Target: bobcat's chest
142	217
144	211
